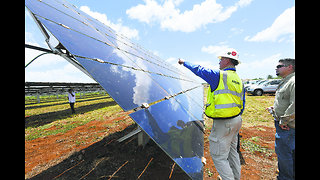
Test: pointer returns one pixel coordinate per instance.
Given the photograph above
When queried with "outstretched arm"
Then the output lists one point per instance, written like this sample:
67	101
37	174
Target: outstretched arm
210	76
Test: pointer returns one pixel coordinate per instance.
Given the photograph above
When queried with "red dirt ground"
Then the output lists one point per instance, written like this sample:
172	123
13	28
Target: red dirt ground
80	154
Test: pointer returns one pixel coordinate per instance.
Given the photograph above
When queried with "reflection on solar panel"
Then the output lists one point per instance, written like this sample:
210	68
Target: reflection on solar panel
176	132
132	76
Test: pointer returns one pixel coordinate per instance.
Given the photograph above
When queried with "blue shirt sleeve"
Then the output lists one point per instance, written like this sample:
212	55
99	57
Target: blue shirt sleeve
244	100
212	77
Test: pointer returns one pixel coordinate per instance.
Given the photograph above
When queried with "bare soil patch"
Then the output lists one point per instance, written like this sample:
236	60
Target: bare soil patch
72	155
91	151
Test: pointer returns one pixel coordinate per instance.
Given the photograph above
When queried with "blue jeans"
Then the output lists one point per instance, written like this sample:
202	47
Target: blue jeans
285	150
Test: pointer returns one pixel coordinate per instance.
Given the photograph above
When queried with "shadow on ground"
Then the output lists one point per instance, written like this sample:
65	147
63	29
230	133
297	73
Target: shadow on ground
46	118
102	159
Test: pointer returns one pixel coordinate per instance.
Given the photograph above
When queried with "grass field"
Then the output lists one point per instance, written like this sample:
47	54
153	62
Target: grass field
255	113
52	134
40	118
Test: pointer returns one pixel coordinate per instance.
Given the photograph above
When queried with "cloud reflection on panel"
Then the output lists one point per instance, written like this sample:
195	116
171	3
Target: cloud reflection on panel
141	90
126	86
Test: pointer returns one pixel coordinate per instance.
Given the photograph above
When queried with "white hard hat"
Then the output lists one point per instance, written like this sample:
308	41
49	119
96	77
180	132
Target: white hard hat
230	53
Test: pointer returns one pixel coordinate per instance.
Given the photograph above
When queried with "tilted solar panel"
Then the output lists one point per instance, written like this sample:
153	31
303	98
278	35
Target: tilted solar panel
192	104
132	75
77	21
83	40
176	132
129	88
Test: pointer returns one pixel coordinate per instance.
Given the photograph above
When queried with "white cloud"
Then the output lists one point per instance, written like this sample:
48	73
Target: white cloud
253	69
66	73
283	25
243	3
152	11
216	50
172	19
118	27
45	60
260	68
51	68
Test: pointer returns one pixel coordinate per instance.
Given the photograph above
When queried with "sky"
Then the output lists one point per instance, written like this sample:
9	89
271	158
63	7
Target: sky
262	31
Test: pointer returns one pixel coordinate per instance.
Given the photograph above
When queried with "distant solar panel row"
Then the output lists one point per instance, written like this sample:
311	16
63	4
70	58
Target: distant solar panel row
132	76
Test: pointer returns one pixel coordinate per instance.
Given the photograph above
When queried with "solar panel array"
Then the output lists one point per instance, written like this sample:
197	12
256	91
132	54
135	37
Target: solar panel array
132	76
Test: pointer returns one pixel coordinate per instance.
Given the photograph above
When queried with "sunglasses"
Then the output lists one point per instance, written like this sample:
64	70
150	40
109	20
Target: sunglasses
280	66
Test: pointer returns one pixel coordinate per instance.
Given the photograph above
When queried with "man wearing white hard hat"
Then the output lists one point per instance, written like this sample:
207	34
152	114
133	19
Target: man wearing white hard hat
225	104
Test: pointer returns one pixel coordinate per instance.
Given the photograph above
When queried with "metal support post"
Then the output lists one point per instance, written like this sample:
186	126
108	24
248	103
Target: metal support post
143	138
132	133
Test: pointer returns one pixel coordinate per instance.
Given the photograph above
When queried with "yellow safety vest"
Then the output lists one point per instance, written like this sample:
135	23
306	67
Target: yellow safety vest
227	100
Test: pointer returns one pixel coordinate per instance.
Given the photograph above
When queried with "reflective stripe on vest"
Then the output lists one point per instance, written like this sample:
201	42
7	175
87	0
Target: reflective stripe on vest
220	101
226	90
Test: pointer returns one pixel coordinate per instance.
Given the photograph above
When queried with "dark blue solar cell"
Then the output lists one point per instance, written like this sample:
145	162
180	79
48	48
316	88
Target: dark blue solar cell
176	132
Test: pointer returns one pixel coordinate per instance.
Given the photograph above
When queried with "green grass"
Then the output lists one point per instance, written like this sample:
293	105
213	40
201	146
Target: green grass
54	98
251	146
41	117
255	113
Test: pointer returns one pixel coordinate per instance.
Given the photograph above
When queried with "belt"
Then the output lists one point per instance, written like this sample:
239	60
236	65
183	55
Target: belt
222	118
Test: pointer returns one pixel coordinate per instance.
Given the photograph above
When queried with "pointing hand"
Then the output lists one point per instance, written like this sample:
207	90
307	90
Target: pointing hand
181	61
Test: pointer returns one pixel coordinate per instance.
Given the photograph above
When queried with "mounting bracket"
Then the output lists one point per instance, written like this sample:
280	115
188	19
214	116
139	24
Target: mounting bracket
143	138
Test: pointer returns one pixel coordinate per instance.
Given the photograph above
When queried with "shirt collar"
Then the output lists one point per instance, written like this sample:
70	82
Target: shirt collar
289	76
232	69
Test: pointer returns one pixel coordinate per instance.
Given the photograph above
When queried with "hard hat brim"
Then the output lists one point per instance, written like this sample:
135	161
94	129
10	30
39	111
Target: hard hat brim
219	57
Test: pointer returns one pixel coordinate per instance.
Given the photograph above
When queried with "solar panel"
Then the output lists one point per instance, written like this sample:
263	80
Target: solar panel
79	22
76	34
129	88
176	132
192	104
132	75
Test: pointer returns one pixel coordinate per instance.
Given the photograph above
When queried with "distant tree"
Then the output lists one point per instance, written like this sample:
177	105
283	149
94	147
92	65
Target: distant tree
269	77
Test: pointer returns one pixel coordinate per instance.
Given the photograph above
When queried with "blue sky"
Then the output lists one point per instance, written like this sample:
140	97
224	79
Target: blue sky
263	31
